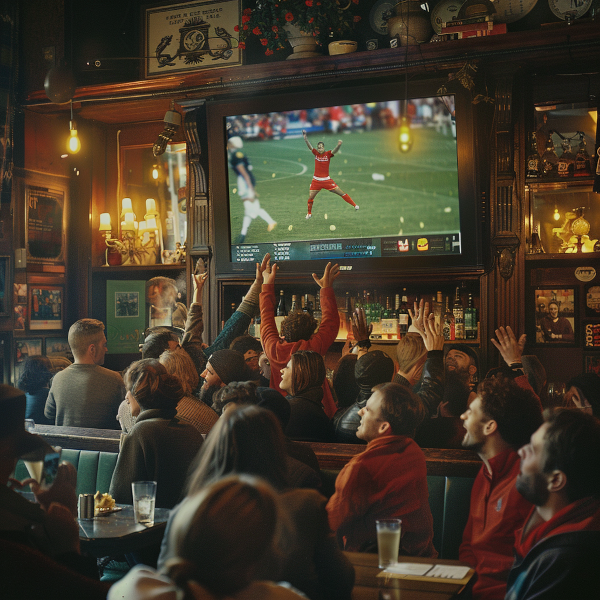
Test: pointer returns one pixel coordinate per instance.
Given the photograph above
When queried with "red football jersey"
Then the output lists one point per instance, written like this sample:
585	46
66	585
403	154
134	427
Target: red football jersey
322	163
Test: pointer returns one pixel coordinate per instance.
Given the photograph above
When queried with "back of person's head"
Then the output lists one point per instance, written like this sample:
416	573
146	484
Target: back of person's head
373	368
401	408
36	374
152	386
272	400
161	292
308	371
298	325
83	333
229	365
456	395
240	392
157	342
221	533
243	343
409	351
344	383
247	440
588	384
572	445
179	363
515	409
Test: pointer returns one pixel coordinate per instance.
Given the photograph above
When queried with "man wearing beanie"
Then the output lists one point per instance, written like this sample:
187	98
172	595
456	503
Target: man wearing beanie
223	367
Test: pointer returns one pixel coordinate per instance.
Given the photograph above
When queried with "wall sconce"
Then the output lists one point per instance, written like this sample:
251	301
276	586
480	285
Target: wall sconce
73	144
172	123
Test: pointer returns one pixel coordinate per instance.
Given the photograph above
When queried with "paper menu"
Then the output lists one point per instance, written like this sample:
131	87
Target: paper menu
448	572
424	571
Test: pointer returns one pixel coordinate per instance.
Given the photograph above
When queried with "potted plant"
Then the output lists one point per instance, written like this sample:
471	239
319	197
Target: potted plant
276	21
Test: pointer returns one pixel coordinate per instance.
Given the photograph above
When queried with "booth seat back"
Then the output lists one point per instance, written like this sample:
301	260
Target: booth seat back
94	469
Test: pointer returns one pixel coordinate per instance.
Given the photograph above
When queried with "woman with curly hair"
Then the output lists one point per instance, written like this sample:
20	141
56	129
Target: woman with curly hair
35	382
219	536
159	447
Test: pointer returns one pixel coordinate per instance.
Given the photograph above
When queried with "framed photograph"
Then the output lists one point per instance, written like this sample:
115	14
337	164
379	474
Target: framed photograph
125	315
591	335
58	347
20	293
591	363
191	36
45	224
592	300
46	306
5	287
24	348
20	311
555	316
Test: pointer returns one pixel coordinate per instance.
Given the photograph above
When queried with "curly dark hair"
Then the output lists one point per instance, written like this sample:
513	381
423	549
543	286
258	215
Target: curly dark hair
243	343
241	392
401	408
152	385
515	409
298	325
37	372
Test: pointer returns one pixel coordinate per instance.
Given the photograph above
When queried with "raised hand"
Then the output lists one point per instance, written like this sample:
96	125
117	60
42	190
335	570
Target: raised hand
419	314
509	347
360	330
269	272
260	268
330	274
432	336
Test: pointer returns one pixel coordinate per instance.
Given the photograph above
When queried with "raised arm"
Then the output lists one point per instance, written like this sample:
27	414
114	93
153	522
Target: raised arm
339	145
306	140
509	346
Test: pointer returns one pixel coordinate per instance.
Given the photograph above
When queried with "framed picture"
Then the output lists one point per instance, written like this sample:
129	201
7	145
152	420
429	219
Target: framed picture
20	311
190	36
5	287
58	347
45	224
555	316
46	306
591	363
24	348
125	315
20	293
592	300
591	335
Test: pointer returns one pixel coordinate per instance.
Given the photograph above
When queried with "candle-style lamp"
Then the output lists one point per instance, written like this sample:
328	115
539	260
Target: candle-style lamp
106	230
153	216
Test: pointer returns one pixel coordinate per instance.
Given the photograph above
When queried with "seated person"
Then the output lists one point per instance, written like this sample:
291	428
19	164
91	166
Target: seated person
190	408
387	480
223	367
159	446
35	382
302	378
248	440
218	539
251	348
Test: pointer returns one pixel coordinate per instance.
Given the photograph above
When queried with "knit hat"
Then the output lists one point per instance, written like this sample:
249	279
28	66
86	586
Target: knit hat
589	384
229	365
536	374
466	349
12	409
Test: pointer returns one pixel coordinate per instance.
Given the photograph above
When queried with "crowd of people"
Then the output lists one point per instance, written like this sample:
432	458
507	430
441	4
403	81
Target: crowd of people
219	428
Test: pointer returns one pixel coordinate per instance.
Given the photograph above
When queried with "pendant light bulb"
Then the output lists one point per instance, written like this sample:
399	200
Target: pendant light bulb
73	143
556	215
154	172
405	140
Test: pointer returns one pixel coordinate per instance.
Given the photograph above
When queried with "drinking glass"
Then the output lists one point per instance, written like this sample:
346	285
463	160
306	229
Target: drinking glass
30	425
388	541
144	499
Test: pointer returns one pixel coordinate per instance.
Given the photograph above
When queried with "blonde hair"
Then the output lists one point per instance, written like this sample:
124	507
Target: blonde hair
220	534
179	363
409	351
83	333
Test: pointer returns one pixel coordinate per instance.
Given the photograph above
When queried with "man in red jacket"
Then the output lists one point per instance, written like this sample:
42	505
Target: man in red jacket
298	328
498	421
558	549
387	480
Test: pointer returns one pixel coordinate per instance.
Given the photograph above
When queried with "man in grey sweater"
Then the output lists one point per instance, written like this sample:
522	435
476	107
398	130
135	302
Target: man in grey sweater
85	394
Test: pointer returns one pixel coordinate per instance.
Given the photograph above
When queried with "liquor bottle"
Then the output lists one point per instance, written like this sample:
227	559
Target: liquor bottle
294	306
438	309
566	162
376	314
448	322
348	316
397	314
403	315
459	317
367	307
307	304
317	314
281	312
389	322
470	320
534	162
583	161
549	159
536	242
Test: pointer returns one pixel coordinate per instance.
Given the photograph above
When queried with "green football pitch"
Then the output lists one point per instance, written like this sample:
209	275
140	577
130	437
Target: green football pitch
398	194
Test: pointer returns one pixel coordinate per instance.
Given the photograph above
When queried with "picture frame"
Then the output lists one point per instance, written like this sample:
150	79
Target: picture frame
190	36
46	306
24	348
58	347
555	310
592	300
45	224
5	287
591	363
591	335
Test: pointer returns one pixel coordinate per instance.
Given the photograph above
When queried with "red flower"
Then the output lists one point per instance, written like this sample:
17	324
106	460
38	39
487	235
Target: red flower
289	17
245	18
263	41
276	36
311	20
242	46
247	11
256	31
236	28
356	18
268	52
245	28
308	2
275	28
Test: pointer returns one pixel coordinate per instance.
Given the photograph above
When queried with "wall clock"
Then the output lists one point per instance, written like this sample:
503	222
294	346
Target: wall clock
379	10
509	11
569	9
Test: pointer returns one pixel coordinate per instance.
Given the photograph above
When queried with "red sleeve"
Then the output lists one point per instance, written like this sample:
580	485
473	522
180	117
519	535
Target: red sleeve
330	324
465	551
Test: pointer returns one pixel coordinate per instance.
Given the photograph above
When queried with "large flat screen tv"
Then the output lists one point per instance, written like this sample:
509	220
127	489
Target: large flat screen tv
415	210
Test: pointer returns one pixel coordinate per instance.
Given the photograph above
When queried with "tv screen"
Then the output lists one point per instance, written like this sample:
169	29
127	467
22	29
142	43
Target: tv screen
331	182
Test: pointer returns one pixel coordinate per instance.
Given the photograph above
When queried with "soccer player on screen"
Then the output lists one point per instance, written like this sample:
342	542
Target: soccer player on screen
240	163
321	179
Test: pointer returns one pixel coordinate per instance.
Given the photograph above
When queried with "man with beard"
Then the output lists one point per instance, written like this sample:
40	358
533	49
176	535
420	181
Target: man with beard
461	364
497	423
557	550
223	367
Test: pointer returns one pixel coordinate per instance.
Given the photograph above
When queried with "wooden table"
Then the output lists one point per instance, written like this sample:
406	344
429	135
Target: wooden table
118	533
370	587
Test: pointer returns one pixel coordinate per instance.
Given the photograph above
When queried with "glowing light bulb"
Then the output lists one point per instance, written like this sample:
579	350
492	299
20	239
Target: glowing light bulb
154	172
405	141
556	215
73	144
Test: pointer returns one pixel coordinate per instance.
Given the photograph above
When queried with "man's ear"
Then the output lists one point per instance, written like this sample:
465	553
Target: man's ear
490	427
472	369
384	428
557	481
